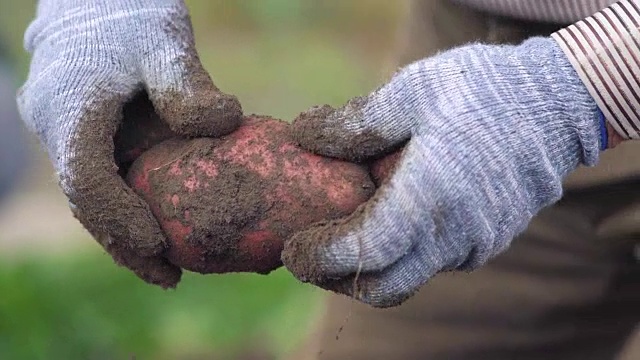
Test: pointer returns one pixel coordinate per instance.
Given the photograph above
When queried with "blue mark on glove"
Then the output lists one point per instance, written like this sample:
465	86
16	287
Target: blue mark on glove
604	135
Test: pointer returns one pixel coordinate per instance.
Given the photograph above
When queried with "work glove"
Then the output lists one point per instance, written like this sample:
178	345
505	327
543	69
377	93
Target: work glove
90	57
489	133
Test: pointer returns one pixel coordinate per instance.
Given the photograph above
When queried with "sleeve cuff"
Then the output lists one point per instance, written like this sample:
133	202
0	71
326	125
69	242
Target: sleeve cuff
605	51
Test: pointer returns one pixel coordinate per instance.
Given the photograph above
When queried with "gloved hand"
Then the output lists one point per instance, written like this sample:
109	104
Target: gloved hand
89	58
491	131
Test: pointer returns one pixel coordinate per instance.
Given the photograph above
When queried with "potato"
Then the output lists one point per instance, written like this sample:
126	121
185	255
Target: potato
382	168
228	204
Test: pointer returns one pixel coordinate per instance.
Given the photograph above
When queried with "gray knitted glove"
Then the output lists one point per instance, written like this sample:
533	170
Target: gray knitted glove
491	130
89	58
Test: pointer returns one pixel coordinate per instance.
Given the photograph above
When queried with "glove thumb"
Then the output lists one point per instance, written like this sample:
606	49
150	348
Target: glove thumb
185	97
363	128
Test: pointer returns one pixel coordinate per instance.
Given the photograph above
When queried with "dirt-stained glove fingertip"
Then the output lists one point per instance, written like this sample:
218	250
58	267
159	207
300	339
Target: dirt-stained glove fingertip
154	270
341	133
298	257
190	102
207	114
151	240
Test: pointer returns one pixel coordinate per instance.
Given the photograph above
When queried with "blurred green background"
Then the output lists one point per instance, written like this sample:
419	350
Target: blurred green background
61	297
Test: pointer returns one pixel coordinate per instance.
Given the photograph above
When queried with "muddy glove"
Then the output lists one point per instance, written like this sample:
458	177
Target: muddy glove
89	58
491	130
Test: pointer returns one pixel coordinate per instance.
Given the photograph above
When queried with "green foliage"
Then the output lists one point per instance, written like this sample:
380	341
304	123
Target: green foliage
84	307
283	75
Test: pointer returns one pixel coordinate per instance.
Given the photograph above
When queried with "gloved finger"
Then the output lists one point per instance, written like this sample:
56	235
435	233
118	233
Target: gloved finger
182	91
86	111
391	286
364	127
154	270
89	175
373	237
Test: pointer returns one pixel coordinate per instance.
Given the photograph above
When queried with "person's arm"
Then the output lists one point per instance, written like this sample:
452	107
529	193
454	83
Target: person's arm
604	49
489	134
549	11
89	58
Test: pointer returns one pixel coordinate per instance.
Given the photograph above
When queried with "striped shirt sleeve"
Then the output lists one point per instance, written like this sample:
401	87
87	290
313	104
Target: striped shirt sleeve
605	51
555	11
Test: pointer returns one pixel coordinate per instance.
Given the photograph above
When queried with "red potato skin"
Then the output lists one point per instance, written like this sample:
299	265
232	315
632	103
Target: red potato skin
298	187
382	168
